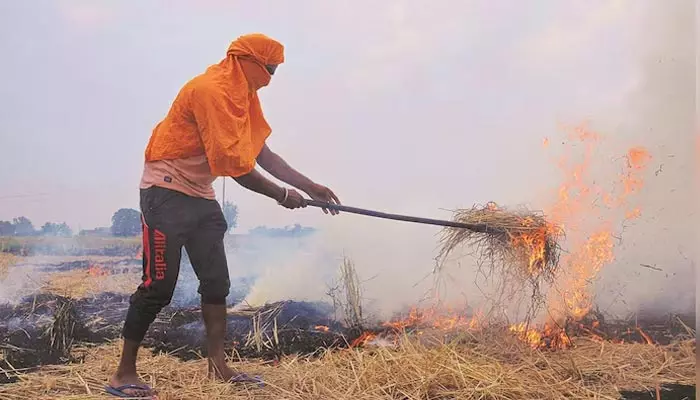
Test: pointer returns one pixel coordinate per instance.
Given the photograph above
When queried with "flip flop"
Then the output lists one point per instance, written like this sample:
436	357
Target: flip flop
244	378
119	391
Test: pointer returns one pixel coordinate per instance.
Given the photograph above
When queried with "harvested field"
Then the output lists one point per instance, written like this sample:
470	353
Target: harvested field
473	366
63	343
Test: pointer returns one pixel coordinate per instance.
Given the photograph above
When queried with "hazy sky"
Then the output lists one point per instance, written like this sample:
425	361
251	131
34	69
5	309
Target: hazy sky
407	106
398	105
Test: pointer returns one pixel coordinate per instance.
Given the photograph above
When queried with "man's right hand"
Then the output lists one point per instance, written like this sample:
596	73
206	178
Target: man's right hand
293	200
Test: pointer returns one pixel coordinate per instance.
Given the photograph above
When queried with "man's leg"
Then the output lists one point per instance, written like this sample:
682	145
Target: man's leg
163	239
205	249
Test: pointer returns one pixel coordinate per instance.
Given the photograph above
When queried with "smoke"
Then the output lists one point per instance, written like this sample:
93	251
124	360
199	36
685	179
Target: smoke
624	67
660	115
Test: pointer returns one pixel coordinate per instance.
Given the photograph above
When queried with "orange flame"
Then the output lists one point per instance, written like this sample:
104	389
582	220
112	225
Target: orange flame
442	319
645	336
322	328
363	339
578	208
97	270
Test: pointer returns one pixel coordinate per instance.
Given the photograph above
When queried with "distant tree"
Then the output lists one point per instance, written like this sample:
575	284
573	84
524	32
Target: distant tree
101	231
126	222
231	214
54	229
7	228
23	226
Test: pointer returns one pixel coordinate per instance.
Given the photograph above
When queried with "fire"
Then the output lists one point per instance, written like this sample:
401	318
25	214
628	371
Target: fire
97	270
442	319
552	337
633	214
534	243
645	336
638	157
588	212
322	328
363	339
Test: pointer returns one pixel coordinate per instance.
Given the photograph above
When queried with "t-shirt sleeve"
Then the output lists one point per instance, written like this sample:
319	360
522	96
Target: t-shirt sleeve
225	132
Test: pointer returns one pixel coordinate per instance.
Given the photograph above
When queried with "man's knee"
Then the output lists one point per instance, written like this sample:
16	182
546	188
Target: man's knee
151	301
214	291
143	308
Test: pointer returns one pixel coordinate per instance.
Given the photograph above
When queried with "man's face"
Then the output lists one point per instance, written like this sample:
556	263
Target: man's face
257	74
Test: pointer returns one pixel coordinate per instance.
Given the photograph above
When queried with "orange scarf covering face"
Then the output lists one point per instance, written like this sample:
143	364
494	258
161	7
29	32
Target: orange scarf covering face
217	114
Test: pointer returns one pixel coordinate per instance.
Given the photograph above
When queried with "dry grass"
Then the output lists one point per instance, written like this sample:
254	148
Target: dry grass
80	283
521	239
516	250
7	260
347	296
484	367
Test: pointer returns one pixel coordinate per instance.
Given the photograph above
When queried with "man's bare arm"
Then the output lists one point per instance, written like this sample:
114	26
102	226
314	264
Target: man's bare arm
279	168
257	182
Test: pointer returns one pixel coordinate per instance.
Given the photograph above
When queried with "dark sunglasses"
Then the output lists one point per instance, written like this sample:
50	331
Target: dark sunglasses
271	69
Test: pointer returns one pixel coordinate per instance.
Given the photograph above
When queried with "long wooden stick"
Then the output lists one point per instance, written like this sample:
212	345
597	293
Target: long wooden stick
482	228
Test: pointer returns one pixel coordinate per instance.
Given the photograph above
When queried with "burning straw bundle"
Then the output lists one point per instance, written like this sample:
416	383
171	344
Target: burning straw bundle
519	245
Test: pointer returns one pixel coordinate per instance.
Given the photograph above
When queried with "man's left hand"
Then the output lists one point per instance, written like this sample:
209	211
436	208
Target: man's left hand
322	193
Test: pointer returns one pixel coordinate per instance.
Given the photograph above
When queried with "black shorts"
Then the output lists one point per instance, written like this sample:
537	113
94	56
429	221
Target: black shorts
171	221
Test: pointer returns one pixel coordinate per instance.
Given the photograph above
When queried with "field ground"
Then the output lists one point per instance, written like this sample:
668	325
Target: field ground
473	367
465	365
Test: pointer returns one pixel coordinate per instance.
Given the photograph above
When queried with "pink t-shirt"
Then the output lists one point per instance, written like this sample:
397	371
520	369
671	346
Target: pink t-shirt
190	176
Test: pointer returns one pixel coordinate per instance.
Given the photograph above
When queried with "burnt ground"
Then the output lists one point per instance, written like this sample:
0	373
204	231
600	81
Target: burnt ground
659	329
126	265
42	329
666	392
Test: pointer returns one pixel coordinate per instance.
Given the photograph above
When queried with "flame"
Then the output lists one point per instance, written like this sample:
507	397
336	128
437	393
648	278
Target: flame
436	318
97	270
645	336
322	328
588	211
363	339
575	207
633	214
552	337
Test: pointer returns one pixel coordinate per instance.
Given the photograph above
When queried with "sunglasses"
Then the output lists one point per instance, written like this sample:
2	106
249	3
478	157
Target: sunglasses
270	68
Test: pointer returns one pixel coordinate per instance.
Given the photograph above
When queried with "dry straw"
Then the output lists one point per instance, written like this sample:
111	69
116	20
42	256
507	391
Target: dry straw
490	365
347	296
79	283
7	260
517	248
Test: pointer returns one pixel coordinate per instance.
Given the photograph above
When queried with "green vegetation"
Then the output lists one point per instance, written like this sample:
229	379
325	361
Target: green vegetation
77	245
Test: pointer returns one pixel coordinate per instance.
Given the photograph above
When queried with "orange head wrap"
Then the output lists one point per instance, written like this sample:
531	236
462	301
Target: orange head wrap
217	114
261	49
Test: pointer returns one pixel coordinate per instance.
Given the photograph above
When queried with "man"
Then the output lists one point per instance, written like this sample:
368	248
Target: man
215	127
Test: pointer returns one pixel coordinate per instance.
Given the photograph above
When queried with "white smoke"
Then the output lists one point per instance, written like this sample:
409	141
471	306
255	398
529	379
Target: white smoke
624	66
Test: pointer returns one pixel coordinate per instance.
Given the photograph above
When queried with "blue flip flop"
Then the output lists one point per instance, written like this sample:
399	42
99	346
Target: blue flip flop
244	378
119	391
